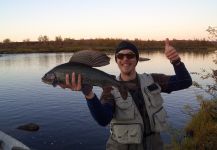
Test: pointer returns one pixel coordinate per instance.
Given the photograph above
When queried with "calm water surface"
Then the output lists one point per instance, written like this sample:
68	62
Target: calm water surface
63	115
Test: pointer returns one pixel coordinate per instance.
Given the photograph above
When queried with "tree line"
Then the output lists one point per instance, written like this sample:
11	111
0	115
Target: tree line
108	44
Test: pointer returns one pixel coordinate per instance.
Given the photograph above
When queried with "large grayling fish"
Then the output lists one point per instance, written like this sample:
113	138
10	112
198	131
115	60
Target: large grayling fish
82	63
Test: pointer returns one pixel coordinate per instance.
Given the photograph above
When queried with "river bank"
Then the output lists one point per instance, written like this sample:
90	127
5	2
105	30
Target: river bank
201	131
107	45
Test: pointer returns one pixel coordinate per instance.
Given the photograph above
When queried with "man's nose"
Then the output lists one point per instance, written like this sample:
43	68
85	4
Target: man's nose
125	57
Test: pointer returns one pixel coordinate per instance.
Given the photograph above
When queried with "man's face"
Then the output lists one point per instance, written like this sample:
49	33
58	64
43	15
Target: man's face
126	60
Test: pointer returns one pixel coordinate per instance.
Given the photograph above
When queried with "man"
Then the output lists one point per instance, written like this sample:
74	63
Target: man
136	122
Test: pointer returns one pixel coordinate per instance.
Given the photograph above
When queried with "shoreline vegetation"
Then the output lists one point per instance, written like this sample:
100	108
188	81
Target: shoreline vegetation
43	45
200	132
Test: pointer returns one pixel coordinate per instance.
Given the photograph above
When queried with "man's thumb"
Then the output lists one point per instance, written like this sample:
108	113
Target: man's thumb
167	42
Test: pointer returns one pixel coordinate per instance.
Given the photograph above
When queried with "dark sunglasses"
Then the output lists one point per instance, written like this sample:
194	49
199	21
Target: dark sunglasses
129	55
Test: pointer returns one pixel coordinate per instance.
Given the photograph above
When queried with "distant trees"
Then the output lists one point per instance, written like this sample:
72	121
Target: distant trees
43	38
26	40
6	40
43	43
68	39
58	38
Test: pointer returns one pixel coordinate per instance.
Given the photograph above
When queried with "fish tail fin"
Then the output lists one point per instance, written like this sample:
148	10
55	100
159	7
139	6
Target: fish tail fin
125	87
123	91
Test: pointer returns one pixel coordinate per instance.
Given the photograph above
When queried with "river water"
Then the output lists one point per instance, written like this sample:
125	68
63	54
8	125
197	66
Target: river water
63	115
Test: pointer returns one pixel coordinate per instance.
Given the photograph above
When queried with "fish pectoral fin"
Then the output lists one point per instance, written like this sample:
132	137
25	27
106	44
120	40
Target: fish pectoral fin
123	91
54	84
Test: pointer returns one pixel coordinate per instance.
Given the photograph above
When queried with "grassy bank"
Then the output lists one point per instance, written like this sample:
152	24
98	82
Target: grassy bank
99	44
201	131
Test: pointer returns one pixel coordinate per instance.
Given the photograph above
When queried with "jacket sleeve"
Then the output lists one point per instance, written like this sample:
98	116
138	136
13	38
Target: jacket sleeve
181	79
101	112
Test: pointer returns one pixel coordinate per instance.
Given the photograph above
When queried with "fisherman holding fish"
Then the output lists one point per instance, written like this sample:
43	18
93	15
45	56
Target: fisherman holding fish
136	117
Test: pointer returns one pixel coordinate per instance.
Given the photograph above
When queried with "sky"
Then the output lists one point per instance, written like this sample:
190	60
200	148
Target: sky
125	19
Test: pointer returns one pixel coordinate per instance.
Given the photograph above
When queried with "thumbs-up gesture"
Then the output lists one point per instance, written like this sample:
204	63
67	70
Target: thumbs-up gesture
171	52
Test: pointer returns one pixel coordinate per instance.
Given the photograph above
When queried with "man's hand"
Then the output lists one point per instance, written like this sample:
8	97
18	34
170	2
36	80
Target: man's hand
171	52
78	86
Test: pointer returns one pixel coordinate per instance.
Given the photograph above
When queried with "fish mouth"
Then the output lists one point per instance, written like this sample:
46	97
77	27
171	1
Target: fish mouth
52	81
45	80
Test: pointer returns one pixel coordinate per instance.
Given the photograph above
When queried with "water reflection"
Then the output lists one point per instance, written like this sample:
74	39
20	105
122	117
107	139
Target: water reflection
62	114
46	60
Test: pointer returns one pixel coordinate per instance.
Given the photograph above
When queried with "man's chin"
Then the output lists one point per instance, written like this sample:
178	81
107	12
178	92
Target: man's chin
126	72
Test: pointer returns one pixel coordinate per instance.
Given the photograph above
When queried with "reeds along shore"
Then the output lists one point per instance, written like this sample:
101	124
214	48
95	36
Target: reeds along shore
71	45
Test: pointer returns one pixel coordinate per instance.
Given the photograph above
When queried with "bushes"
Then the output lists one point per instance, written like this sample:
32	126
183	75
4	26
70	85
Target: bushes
201	131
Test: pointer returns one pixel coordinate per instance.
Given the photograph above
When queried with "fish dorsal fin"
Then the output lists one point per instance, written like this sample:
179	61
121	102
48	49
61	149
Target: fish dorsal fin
90	58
